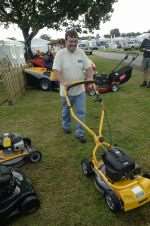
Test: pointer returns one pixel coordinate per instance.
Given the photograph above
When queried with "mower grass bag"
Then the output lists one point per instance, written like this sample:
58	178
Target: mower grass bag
118	165
122	75
111	82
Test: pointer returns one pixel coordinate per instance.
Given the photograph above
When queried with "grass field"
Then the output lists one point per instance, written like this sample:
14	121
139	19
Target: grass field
3	94
120	50
67	197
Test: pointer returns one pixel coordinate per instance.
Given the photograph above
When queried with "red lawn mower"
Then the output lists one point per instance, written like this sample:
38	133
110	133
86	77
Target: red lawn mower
111	82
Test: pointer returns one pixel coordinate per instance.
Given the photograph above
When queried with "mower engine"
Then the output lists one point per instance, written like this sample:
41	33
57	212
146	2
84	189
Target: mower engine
105	79
101	80
11	142
119	165
7	183
17	195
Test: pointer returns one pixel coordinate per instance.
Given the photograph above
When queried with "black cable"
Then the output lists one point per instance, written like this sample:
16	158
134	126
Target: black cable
108	124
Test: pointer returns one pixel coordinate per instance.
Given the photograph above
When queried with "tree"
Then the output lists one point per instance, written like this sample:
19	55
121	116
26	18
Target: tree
115	32
33	15
130	34
107	36
123	35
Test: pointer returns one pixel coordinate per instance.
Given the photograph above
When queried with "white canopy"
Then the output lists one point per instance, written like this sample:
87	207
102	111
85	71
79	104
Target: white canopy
143	36
39	44
12	50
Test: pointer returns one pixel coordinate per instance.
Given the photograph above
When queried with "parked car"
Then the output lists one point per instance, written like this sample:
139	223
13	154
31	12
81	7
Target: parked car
86	48
131	44
93	44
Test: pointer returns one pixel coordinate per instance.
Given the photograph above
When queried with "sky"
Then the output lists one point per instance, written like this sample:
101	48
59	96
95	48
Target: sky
128	16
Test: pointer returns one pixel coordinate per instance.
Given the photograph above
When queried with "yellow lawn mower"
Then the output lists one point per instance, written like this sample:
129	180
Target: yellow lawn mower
116	175
42	78
16	150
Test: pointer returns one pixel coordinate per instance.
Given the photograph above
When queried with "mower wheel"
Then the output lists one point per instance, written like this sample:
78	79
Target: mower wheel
29	205
112	201
86	167
45	84
115	88
35	156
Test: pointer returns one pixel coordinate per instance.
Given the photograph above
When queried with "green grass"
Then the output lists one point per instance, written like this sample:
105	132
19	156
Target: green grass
120	50
67	197
3	94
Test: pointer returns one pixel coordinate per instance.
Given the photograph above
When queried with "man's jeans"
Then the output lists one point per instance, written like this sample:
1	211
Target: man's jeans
79	103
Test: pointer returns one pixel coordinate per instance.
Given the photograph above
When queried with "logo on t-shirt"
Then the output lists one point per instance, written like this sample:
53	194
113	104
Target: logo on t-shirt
80	61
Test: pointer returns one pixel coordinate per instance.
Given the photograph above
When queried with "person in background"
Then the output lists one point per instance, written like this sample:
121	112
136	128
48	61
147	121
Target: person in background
48	60
70	65
38	60
145	47
61	43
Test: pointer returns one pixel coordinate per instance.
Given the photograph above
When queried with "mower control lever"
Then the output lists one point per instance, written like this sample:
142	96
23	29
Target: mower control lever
126	57
135	56
133	59
118	65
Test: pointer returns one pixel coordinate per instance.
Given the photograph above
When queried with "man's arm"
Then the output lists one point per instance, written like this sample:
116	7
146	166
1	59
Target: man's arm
89	73
143	46
57	67
58	75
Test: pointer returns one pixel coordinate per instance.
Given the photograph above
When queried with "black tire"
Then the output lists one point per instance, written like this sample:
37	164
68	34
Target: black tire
112	202
29	205
86	167
115	88
45	84
35	156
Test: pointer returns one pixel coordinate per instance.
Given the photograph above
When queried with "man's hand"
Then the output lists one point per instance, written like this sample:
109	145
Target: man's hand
65	84
91	86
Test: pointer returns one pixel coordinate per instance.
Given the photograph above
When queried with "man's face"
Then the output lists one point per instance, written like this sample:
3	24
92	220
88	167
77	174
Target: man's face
71	44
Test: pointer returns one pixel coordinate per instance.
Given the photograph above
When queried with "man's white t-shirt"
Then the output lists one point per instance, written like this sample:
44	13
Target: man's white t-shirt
72	67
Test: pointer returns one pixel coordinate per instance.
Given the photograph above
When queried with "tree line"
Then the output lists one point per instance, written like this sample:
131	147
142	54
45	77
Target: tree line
33	15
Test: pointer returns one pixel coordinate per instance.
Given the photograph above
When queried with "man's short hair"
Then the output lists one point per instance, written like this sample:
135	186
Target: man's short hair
71	33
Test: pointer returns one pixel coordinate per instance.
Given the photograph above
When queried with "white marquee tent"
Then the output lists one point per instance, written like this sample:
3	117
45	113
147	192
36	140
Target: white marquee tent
12	50
142	36
39	44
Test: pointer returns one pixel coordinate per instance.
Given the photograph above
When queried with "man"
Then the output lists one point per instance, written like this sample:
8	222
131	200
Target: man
145	47
70	65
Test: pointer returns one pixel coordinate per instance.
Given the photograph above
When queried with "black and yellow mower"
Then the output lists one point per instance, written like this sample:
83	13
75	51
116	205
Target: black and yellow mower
16	150
116	175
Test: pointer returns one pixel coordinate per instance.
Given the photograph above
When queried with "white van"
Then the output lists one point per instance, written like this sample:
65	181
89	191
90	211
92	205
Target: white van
84	45
131	44
93	44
